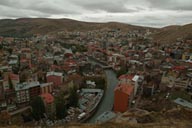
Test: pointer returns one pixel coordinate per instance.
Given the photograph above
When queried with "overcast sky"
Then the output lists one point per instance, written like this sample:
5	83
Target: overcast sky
156	13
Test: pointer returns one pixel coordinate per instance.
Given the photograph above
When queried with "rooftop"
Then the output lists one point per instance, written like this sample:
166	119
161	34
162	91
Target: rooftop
25	85
183	102
48	98
125	88
126	76
106	116
46	84
54	74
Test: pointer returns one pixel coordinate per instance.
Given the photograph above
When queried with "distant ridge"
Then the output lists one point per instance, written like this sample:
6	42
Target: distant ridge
30	26
170	34
24	27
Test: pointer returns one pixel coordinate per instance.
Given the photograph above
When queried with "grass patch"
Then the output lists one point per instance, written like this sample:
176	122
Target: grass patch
180	94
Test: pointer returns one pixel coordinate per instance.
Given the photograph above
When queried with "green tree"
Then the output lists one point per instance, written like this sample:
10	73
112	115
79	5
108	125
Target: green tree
73	98
19	58
100	83
10	50
10	82
61	110
1	46
38	107
122	71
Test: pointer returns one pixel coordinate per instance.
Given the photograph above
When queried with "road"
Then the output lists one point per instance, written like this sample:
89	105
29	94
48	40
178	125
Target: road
20	110
108	99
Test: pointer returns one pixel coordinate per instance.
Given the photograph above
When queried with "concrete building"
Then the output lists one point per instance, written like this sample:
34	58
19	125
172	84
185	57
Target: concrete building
55	77
123	96
46	88
26	91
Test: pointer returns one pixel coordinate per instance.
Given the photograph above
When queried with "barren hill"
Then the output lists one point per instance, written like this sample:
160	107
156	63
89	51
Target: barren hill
171	33
30	26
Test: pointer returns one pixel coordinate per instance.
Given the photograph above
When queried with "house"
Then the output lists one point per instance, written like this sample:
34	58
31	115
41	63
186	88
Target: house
126	79
25	63
10	77
13	60
46	88
123	96
2	96
68	53
25	53
55	77
148	89
148	55
14	78
5	68
10	98
133	80
187	56
26	91
76	78
49	103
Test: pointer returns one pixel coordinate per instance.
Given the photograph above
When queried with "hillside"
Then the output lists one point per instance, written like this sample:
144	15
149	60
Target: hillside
30	26
171	33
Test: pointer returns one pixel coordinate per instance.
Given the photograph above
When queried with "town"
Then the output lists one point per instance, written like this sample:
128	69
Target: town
94	76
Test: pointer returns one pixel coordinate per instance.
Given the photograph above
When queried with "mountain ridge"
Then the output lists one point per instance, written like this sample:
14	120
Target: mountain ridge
31	26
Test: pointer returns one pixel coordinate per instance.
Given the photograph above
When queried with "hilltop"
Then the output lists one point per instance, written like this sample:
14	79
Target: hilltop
30	26
171	33
25	27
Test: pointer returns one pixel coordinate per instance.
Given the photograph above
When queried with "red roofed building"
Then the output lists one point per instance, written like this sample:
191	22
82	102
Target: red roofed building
25	53
1	39
49	103
14	79
123	95
55	77
179	68
25	62
126	79
46	88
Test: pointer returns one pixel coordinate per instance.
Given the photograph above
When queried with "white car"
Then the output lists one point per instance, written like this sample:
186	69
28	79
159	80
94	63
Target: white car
190	61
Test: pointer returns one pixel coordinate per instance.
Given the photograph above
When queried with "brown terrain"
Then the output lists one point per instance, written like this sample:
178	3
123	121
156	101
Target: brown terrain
171	34
29	26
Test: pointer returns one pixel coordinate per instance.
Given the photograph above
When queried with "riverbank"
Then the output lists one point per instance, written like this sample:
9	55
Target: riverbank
108	98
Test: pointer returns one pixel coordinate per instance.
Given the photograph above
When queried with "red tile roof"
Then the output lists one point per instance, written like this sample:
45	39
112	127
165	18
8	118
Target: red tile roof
48	98
125	88
14	76
179	68
126	76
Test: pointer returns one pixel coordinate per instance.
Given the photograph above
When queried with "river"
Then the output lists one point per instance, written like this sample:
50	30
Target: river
108	99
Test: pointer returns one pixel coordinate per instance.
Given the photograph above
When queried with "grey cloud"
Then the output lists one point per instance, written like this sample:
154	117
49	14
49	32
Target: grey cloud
42	6
115	6
171	4
108	7
141	12
18	13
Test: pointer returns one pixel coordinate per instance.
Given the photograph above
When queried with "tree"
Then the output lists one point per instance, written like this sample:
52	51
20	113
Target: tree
55	62
5	117
100	84
1	46
122	71
38	108
73	98
10	50
61	110
10	82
